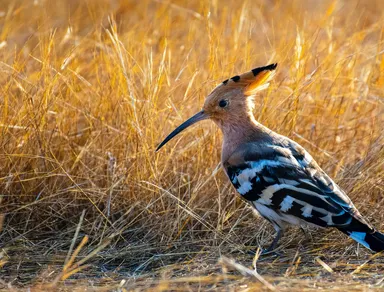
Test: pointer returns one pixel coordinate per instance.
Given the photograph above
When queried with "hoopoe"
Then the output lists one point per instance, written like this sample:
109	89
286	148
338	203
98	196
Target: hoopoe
274	174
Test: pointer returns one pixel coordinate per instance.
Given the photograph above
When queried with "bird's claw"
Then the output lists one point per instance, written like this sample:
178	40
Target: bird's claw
270	252
265	252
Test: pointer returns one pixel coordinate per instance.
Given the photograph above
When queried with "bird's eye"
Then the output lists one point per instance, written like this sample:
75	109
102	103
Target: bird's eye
223	103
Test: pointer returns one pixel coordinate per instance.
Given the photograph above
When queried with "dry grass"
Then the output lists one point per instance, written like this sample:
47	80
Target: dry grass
88	89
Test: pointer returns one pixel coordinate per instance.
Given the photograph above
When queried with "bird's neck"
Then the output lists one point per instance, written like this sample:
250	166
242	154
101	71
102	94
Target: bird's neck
244	130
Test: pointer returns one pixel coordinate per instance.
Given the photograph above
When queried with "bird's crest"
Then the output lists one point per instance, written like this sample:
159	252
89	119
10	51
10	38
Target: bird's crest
252	81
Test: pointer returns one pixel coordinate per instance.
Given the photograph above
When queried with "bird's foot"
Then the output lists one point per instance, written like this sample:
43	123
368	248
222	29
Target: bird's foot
271	249
265	252
272	252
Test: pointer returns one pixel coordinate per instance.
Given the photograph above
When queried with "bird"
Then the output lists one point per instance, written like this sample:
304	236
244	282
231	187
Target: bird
273	173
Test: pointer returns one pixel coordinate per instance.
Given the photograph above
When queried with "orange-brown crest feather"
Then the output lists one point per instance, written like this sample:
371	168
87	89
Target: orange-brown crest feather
254	80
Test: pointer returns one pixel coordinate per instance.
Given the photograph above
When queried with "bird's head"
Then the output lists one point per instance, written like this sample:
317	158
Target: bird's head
231	101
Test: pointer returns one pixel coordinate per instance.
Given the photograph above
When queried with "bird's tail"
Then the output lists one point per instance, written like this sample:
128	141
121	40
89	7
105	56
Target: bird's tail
365	235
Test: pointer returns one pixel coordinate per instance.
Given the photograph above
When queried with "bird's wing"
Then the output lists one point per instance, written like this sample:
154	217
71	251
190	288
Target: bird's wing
286	179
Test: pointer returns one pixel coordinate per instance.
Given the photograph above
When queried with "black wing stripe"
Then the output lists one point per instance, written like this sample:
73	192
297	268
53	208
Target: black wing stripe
296	210
343	219
259	183
283	172
318	218
308	186
313	200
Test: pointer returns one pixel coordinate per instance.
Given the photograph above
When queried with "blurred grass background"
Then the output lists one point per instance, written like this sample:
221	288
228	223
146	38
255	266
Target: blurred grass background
89	88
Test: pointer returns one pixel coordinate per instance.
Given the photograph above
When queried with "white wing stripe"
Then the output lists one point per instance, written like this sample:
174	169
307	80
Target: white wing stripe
286	204
328	219
288	181
245	187
246	175
307	211
266	194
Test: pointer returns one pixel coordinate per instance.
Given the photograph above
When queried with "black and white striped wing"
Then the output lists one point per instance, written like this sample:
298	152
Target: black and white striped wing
286	181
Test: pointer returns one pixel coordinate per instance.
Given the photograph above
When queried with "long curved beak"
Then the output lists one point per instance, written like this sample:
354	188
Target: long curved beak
201	115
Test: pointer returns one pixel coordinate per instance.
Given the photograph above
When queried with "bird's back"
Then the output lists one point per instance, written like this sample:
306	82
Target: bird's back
283	177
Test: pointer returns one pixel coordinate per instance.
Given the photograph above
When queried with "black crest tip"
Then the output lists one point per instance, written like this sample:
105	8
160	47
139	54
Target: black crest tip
235	78
270	67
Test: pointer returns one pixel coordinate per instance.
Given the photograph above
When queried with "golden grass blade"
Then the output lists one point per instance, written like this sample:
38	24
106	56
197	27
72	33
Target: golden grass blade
68	265
362	266
246	272
324	265
74	239
71	272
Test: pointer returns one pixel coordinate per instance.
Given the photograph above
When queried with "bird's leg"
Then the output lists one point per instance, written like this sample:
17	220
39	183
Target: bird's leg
274	242
304	232
307	235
